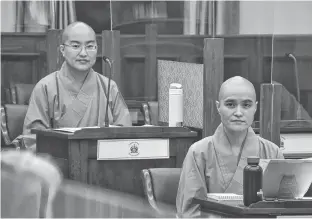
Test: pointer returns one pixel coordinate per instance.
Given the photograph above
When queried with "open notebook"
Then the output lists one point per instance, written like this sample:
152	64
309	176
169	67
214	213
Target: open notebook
225	196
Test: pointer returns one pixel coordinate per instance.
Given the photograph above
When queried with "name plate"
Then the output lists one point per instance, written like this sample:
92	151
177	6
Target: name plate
131	149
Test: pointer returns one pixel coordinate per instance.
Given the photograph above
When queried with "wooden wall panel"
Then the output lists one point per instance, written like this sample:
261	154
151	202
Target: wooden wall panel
22	42
98	65
54	56
16	71
270	112
213	78
249	56
236	65
22	61
133	77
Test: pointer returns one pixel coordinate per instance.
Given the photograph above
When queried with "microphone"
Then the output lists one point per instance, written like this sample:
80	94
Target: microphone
107	60
293	57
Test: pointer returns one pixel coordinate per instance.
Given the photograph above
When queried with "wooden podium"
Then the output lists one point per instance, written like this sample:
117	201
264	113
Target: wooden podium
262	209
114	157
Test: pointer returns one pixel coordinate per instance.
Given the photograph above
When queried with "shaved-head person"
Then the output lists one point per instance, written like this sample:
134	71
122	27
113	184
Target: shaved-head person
237	97
215	164
75	95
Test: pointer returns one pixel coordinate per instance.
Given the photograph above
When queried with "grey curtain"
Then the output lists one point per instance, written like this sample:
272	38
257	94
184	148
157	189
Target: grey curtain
36	15
227	17
196	17
62	13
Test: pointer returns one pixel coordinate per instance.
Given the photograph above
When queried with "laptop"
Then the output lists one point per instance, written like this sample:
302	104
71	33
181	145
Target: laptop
286	178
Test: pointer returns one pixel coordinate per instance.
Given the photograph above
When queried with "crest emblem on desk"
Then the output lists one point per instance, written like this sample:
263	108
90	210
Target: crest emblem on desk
134	148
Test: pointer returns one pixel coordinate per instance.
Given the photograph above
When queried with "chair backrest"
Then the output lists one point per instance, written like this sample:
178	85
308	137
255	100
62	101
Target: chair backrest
22	93
14	118
150	112
161	185
153	105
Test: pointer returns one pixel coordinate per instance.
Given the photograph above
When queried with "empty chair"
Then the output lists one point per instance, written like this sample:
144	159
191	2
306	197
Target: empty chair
12	121
21	93
150	112
160	188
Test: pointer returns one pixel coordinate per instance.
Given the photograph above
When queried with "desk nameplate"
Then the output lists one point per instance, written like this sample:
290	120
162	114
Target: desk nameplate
132	149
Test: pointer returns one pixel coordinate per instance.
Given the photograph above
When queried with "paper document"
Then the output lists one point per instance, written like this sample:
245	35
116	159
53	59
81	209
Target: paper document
286	179
72	130
225	196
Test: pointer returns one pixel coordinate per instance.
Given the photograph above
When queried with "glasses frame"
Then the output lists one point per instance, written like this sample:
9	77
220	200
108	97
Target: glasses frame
80	48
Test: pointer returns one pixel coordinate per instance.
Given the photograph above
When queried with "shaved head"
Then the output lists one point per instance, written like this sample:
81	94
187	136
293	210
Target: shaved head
234	84
237	104
79	47
75	28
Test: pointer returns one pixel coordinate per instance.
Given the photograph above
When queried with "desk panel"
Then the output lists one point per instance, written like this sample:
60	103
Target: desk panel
77	158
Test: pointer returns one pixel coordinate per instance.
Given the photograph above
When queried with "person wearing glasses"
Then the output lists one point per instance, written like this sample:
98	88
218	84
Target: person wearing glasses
75	95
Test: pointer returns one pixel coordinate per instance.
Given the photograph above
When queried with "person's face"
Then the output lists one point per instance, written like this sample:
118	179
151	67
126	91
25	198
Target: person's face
237	107
80	49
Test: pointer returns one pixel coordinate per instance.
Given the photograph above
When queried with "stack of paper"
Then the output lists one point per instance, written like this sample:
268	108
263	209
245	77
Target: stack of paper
225	196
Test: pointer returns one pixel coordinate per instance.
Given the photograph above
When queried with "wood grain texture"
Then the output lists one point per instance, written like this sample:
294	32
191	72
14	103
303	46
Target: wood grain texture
270	112
121	132
111	49
80	155
54	56
78	160
56	147
254	50
63	166
213	78
182	146
263	209
124	175
150	76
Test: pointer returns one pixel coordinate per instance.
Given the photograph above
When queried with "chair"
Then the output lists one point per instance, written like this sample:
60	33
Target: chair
160	188
150	112
21	93
12	121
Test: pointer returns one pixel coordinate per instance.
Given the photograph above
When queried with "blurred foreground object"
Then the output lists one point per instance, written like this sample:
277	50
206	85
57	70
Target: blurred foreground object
32	187
28	185
79	200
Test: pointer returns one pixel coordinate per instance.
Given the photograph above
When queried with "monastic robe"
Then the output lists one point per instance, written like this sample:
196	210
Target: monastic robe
210	166
57	101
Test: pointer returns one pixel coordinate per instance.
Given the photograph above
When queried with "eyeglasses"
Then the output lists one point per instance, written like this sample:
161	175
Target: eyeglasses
78	47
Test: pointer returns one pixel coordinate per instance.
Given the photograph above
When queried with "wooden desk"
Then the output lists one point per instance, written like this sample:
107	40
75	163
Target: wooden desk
76	154
262	209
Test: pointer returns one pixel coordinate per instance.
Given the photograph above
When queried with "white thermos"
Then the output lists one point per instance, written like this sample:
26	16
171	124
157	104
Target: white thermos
175	105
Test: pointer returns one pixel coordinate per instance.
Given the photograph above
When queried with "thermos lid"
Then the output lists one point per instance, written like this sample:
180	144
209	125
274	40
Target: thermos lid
175	86
253	160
